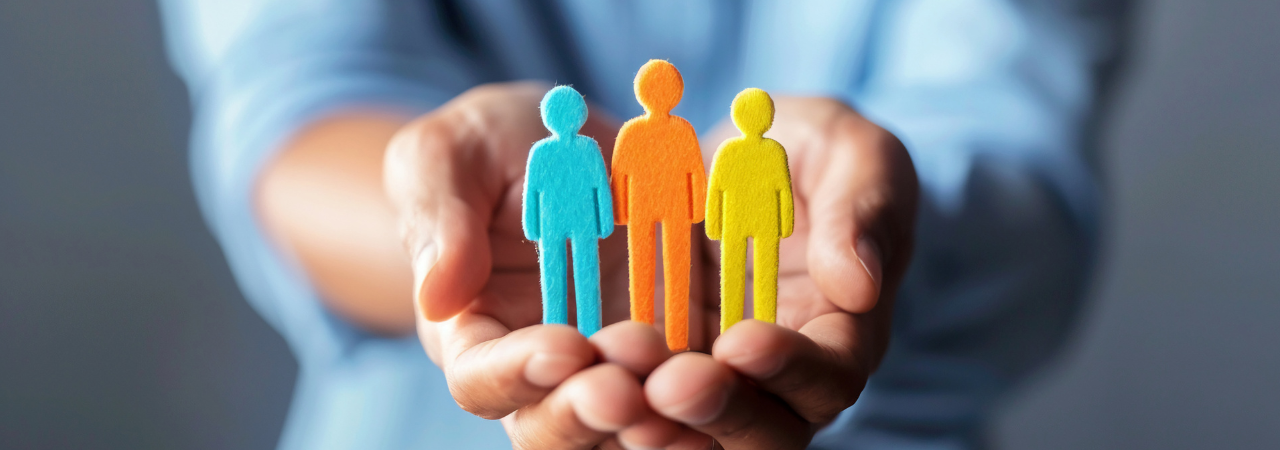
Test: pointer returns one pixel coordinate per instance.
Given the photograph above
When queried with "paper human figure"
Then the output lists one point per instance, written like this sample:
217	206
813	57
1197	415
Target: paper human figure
567	199
749	197
658	178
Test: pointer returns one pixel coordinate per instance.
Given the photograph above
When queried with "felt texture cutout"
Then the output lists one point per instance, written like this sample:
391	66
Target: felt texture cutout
567	199
658	178
749	197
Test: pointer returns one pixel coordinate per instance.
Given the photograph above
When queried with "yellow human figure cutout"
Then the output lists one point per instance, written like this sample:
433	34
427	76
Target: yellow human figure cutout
749	196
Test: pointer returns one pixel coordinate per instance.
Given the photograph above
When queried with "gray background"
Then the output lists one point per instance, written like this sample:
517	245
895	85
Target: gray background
120	325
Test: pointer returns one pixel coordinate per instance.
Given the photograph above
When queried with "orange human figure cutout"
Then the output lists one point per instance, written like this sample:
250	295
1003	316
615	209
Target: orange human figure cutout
658	178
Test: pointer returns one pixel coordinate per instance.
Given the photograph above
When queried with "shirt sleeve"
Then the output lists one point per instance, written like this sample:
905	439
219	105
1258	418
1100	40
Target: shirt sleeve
995	100
257	71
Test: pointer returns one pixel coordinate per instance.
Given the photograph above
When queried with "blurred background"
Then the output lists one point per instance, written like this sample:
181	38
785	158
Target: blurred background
121	327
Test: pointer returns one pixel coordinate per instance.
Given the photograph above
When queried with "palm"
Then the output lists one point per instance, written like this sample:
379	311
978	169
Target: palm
854	194
799	298
458	176
512	294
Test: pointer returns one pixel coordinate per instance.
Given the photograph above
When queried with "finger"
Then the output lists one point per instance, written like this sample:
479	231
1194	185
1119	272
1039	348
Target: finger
691	439
861	208
652	431
584	411
709	397
684	438
639	348
818	371
445	173
491	373
636	346
609	444
444	214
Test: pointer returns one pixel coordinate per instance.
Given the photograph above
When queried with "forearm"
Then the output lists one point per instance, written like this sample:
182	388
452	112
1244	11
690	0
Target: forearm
321	199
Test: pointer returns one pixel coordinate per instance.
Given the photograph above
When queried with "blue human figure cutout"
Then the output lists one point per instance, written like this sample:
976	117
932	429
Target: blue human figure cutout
567	199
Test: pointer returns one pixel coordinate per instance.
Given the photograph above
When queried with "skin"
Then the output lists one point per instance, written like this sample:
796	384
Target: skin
771	386
349	194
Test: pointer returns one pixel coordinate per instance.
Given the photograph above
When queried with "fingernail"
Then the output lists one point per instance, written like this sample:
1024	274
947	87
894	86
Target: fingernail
756	365
550	369
598	423
869	256
704	408
422	265
630	446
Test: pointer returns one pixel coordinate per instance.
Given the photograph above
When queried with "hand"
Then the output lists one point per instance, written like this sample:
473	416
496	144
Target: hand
455	177
773	386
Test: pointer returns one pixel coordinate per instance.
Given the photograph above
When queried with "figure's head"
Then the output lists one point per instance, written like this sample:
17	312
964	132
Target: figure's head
564	111
752	112
659	86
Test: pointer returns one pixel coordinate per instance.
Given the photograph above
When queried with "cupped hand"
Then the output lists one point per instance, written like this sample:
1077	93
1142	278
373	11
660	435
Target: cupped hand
455	177
772	386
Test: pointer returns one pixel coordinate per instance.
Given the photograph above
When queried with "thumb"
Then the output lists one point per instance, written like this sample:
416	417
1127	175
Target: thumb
862	211
444	218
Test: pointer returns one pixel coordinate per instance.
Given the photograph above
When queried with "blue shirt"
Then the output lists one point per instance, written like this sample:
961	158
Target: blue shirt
992	97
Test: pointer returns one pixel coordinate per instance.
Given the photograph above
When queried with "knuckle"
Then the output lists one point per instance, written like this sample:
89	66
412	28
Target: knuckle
414	154
521	438
853	132
734	430
413	232
478	393
538	429
472	405
477	401
872	202
426	129
431	140
562	339
827	408
492	92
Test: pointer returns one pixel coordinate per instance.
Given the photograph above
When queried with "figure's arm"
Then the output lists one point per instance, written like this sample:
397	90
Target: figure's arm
619	178
604	195
786	203
532	202
619	195
715	200
697	177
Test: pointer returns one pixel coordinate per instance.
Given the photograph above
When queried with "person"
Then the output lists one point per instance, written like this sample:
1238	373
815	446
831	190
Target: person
567	199
658	178
330	136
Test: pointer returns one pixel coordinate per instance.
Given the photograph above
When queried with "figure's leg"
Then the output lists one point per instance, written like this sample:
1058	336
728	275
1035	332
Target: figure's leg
766	279
586	283
733	279
675	275
555	284
643	258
